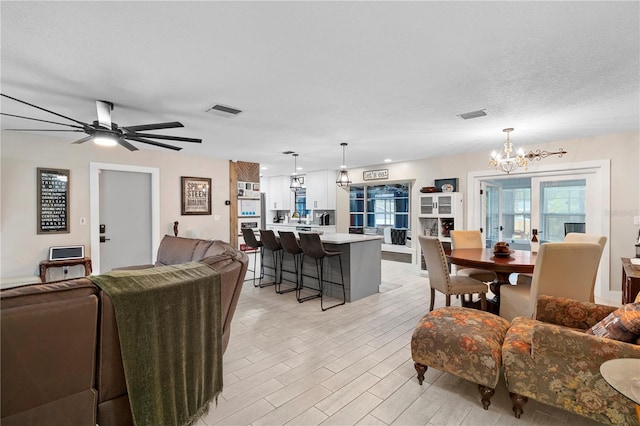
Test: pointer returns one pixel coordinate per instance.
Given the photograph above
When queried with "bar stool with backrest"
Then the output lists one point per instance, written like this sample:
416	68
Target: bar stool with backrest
251	241
312	247
290	245
269	242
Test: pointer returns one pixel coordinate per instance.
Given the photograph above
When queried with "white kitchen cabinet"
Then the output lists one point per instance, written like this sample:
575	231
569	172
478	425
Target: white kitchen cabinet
321	190
279	195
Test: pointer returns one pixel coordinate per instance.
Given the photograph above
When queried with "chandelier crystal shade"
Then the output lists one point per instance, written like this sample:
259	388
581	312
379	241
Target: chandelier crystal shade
295	184
343	176
506	162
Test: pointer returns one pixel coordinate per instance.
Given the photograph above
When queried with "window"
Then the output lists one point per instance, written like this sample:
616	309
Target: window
379	206
562	201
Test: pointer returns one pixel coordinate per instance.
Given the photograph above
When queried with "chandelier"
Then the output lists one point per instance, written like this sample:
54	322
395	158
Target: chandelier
343	176
506	162
295	184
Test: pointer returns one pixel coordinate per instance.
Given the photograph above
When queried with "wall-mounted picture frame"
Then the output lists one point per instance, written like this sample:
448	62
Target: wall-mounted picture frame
446	185
195	195
53	200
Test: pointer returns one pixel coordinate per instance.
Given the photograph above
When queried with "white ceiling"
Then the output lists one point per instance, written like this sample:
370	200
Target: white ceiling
389	78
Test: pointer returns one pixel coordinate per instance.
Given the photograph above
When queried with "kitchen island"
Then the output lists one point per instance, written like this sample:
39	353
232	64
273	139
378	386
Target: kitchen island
361	265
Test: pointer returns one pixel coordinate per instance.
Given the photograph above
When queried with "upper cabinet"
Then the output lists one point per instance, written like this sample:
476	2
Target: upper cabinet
440	203
279	194
321	190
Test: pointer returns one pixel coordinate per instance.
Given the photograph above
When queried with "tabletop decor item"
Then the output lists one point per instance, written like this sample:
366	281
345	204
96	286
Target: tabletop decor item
446	185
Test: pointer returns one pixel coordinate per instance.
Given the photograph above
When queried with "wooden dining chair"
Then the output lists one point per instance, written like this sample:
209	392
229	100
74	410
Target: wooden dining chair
441	280
465	239
564	269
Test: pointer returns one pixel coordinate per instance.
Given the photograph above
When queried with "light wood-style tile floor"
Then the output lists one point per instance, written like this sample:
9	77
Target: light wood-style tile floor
292	364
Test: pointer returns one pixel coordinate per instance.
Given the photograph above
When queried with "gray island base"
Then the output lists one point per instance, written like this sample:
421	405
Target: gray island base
361	255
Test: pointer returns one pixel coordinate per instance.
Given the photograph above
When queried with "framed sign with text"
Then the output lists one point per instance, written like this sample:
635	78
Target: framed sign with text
196	195
376	174
53	201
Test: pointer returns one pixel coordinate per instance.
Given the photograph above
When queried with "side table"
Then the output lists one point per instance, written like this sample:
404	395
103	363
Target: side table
46	264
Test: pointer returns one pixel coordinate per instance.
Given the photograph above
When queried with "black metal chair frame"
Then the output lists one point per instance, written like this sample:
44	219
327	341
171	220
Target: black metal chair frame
251	241
313	247
291	246
269	242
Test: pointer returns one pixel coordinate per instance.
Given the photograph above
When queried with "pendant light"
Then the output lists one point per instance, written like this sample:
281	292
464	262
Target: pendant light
295	184
343	176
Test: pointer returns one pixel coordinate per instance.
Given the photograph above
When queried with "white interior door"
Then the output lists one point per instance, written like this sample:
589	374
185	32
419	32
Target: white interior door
129	217
125	219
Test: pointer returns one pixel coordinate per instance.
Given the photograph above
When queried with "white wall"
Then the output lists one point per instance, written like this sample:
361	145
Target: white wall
623	151
22	249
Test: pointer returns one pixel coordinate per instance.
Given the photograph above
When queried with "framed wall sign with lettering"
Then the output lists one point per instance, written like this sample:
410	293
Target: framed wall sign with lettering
53	201
376	174
196	195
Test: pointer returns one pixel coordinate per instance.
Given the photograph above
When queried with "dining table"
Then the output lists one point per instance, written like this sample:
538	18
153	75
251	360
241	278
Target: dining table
517	261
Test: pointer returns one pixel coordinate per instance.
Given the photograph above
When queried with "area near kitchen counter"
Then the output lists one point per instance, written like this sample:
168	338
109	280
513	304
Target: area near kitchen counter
360	262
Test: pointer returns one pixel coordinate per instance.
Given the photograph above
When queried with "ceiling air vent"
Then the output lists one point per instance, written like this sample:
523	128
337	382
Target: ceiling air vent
473	114
224	110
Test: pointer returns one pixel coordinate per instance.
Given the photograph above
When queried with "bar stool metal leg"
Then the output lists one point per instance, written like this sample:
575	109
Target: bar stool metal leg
301	285
322	284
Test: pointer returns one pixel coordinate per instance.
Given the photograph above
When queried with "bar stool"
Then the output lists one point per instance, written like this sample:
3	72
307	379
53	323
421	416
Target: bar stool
290	245
269	242
312	247
251	241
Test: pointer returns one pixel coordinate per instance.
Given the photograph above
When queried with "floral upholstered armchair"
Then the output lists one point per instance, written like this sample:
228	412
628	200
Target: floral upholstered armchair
552	360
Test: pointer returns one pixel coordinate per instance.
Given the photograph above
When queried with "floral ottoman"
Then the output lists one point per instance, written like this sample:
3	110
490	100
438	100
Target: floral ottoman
461	341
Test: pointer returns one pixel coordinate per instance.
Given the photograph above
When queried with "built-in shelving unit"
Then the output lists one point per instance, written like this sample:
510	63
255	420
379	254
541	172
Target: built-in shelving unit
439	213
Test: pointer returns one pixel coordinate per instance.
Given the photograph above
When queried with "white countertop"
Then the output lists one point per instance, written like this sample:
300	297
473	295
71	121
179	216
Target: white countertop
301	224
342	238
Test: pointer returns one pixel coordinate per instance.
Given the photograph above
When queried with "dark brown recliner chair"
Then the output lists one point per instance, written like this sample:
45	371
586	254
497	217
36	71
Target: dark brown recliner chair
49	335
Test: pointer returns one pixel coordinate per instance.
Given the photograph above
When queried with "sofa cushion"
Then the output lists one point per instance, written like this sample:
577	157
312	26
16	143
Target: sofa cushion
175	250
623	324
33	294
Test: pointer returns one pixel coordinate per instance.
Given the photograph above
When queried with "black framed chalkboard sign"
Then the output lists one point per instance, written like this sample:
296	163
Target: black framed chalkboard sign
53	201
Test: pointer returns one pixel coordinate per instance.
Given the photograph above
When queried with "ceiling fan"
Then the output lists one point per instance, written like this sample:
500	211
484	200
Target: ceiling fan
105	132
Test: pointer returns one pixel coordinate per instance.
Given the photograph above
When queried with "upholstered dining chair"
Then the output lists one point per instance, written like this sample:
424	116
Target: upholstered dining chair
573	237
564	269
439	278
470	239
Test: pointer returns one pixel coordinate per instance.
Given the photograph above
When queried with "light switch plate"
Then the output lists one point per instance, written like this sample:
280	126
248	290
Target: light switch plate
636	220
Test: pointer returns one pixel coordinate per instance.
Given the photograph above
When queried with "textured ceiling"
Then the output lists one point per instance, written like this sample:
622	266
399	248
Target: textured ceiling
389	78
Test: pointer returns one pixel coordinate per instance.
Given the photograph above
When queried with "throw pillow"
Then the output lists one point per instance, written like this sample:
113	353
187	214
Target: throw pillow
623	324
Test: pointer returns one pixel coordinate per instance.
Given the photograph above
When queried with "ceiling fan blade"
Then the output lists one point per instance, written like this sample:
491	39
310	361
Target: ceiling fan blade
44	130
43	109
127	145
104	113
156	126
150	142
83	140
165	137
42	121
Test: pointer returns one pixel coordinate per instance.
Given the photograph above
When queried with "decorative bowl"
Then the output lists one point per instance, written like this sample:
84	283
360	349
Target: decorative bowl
428	189
501	249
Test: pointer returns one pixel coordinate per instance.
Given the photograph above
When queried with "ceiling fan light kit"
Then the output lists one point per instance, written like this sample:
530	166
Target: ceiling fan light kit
105	132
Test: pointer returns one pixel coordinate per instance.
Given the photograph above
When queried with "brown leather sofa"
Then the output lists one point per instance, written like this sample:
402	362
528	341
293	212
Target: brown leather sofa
60	349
